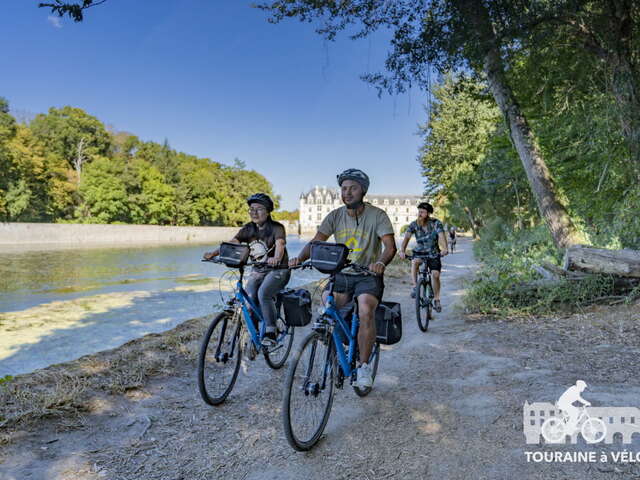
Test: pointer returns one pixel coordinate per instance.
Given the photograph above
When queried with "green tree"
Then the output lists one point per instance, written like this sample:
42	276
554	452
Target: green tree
104	192
72	134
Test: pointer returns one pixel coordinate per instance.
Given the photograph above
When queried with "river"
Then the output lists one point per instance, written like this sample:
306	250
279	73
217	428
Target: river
58	305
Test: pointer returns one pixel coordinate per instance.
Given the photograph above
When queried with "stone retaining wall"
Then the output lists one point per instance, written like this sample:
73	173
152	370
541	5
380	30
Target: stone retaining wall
78	235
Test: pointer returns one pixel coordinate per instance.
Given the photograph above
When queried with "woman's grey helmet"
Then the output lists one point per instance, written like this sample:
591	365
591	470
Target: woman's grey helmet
355	175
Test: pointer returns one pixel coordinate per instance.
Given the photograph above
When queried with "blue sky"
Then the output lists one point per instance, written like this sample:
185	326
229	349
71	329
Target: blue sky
218	81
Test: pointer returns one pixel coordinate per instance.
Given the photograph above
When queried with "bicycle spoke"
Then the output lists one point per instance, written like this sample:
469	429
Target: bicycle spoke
219	359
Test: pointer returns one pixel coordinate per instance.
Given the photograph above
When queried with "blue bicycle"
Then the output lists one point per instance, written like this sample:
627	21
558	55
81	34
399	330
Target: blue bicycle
233	330
320	363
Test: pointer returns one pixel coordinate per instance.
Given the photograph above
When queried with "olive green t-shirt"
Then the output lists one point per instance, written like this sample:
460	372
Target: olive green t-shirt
361	236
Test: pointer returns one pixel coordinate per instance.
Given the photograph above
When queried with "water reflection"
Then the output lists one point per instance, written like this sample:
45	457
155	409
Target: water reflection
31	278
58	305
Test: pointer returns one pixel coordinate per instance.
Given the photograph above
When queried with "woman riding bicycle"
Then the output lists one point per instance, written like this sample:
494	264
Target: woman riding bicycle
267	240
429	234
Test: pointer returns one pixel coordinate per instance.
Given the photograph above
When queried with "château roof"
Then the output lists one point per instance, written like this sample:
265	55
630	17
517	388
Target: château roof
333	193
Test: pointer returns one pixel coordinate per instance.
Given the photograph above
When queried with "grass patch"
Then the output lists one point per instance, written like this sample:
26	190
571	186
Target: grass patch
506	283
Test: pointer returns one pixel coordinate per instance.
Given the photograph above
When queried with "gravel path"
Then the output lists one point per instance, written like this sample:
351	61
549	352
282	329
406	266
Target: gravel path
447	404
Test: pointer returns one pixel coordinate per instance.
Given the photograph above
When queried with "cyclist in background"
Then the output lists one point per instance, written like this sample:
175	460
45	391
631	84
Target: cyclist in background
267	240
430	240
364	229
452	237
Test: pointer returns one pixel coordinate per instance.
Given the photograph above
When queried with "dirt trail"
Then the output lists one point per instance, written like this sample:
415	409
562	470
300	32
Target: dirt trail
446	405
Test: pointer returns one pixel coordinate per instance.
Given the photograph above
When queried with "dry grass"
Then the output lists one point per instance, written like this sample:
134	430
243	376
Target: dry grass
70	388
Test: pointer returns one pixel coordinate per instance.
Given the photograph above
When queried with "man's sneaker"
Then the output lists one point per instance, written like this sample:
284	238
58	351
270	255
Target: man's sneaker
270	338
364	376
437	306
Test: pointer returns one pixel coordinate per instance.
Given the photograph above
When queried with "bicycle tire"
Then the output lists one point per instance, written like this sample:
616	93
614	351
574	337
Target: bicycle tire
552	430
286	343
363	392
593	430
206	370
423	302
311	390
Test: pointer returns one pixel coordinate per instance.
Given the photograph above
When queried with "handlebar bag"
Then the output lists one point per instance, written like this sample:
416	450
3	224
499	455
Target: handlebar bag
329	257
234	254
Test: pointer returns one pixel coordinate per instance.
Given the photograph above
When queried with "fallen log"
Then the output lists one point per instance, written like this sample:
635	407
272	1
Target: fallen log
622	263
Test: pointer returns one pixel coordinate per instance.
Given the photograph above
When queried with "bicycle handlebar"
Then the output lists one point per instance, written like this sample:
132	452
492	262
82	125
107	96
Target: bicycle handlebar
431	256
250	264
359	268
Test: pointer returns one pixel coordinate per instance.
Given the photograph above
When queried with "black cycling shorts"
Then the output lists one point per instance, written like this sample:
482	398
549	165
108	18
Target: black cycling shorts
435	265
354	285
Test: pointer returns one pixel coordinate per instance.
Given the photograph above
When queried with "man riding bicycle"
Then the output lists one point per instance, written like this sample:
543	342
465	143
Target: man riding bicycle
364	229
430	236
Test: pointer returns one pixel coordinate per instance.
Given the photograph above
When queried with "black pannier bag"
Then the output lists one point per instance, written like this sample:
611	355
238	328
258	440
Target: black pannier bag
234	254
297	306
329	257
388	323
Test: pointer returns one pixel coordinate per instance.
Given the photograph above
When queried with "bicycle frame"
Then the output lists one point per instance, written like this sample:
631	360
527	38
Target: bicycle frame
345	359
424	270
242	298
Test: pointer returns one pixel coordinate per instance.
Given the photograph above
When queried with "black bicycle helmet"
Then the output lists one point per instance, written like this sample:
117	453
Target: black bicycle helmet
355	175
262	199
426	206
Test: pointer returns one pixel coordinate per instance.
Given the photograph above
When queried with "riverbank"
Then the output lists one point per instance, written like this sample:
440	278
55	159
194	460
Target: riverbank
446	404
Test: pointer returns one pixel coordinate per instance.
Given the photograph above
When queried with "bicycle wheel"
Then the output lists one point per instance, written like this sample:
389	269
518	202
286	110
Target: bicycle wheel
219	360
553	430
593	430
375	357
277	356
308	391
423	306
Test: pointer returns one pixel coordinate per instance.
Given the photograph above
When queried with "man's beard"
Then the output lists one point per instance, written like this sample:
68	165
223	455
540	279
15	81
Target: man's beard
354	204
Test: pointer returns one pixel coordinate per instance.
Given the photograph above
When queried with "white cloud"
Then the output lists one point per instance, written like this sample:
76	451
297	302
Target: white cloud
55	21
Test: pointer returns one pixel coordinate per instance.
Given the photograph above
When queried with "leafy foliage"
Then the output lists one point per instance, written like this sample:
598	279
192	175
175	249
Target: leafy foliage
66	166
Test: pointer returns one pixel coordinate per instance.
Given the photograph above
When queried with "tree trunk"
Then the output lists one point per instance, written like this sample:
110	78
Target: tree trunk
551	208
623	263
78	161
562	229
472	221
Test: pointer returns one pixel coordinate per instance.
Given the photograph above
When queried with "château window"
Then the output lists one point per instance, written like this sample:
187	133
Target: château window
386	201
375	201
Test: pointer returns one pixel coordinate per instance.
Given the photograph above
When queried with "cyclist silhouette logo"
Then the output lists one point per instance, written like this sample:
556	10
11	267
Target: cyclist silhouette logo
566	401
566	419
